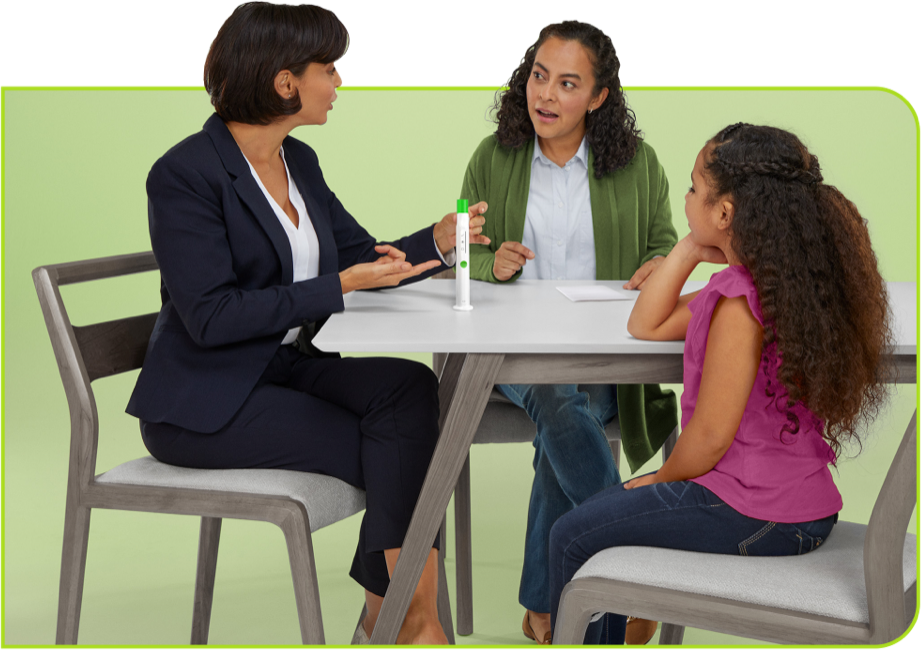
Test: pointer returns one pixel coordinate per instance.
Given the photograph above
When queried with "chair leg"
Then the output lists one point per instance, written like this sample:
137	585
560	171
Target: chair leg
361	617
73	569
615	451
463	546
572	618
304	575
671	634
444	599
669	444
208	540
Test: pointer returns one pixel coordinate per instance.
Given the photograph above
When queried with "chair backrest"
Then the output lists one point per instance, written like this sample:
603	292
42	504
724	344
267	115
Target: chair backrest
90	352
883	548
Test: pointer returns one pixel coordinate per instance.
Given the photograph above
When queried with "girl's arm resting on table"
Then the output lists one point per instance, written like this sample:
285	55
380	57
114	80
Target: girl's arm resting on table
730	366
661	312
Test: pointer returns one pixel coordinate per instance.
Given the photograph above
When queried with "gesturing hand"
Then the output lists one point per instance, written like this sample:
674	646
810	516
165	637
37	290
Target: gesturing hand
388	271
510	257
446	229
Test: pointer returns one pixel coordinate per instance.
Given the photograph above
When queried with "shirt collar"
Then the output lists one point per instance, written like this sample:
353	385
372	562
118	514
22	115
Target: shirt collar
580	157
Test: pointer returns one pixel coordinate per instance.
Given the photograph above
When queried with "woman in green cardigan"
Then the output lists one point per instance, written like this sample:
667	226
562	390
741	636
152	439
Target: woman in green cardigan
574	194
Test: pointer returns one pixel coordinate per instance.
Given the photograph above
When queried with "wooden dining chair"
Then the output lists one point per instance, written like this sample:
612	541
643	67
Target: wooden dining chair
858	587
298	502
502	422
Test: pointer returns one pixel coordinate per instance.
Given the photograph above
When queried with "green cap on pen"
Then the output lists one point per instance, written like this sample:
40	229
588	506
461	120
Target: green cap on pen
462	205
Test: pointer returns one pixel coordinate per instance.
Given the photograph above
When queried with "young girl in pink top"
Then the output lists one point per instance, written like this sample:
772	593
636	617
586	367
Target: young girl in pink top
782	365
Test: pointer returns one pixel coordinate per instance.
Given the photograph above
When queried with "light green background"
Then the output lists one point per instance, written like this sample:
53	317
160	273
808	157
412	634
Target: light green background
75	162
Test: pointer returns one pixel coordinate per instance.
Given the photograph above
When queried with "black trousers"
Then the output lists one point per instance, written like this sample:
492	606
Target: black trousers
371	422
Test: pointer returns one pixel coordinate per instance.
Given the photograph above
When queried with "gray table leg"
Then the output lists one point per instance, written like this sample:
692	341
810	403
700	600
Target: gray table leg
466	383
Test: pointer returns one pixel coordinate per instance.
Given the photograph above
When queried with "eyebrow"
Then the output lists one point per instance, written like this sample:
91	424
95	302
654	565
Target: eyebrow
565	74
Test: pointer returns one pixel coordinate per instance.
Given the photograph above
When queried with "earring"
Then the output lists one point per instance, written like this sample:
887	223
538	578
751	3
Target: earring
289	97
590	111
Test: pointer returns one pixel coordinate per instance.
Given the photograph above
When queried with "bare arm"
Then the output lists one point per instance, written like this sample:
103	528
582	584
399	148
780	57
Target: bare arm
661	313
730	367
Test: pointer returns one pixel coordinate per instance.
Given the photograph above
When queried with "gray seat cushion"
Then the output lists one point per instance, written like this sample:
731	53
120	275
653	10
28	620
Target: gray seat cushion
829	581
326	499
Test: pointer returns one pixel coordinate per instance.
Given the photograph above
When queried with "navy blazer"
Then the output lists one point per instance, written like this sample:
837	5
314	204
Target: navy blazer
227	290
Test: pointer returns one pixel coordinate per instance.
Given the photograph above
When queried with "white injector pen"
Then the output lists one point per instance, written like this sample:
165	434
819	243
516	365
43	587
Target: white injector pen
462	250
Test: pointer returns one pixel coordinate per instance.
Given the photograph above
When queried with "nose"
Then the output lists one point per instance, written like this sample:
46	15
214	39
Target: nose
338	79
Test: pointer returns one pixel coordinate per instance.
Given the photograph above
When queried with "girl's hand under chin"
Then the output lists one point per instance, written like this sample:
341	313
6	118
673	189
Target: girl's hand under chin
708	254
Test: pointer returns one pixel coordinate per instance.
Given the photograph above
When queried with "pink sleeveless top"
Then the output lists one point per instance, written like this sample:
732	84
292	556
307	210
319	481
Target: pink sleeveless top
769	472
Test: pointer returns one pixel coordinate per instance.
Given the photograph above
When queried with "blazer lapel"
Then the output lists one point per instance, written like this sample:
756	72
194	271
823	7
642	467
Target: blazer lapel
329	261
248	191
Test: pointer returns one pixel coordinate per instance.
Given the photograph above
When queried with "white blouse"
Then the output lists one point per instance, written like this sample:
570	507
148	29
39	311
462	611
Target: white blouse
558	224
305	247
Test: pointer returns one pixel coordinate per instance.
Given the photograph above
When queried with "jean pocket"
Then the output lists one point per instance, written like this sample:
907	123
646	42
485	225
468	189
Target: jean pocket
774	539
807	542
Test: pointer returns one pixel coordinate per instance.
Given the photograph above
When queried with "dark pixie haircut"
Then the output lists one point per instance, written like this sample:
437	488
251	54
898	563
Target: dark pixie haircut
610	130
258	41
808	250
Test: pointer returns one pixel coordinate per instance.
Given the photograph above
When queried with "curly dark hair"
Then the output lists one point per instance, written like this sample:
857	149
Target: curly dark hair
610	130
808	250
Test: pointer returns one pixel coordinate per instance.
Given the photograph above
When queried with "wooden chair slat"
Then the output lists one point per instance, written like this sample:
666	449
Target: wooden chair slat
116	346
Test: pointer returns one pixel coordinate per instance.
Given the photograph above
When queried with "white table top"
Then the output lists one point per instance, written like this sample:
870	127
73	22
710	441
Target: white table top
528	316
514	333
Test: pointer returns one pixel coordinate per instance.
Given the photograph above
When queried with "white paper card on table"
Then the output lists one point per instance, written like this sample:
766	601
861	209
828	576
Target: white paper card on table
591	292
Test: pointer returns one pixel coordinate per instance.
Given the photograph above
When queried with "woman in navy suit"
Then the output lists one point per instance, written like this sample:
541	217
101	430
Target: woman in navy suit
255	252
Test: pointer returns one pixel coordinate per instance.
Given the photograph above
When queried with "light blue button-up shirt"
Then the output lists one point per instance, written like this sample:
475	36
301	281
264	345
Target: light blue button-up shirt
558	221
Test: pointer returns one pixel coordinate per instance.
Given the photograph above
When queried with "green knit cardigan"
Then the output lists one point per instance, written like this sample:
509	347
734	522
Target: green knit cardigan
632	223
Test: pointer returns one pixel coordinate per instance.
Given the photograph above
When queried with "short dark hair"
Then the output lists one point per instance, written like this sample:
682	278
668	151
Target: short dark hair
610	130
258	41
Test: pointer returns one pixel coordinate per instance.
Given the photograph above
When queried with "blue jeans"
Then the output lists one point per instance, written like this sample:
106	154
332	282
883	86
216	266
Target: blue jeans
680	515
572	461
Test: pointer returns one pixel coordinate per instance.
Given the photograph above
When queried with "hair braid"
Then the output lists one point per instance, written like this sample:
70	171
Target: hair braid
826	315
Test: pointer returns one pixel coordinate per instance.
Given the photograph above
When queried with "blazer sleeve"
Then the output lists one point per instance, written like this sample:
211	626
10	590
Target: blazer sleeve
188	231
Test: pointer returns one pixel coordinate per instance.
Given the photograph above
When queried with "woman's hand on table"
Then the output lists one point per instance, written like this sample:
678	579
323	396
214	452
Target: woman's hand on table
642	274
510	257
446	229
388	271
709	254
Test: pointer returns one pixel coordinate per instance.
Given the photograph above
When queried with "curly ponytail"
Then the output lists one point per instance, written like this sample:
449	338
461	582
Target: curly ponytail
808	250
